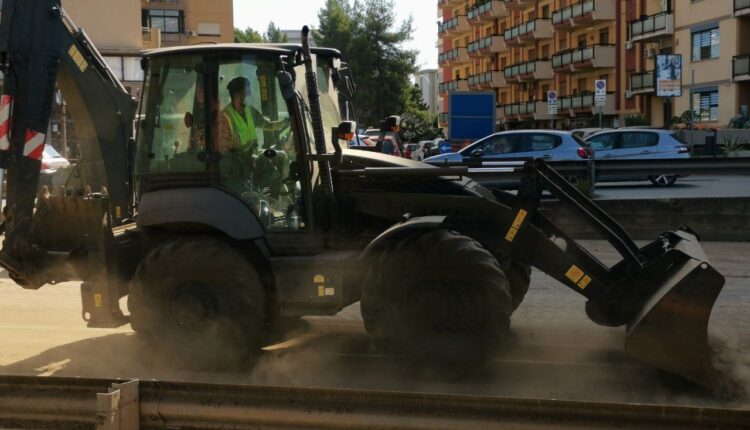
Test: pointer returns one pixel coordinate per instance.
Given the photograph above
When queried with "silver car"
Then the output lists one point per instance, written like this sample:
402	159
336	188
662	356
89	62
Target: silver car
639	144
550	145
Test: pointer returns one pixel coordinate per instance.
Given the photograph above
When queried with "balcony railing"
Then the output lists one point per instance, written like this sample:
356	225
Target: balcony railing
642	83
519	4
457	24
443	118
741	68
455	56
528	32
487	46
529	71
487	11
454	85
651	28
585	58
490	79
741	8
584	12
534	109
585	103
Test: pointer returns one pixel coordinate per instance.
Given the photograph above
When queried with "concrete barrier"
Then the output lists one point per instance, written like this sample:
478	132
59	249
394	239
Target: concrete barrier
718	219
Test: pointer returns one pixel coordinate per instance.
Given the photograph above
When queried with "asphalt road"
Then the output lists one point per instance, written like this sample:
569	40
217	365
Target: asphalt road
687	187
554	351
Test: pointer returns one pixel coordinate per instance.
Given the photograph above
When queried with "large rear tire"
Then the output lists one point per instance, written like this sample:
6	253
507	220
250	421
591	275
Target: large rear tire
199	301
519	278
438	296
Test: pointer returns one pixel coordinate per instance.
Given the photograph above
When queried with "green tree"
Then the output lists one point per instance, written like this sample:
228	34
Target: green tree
247	35
274	35
418	122
371	41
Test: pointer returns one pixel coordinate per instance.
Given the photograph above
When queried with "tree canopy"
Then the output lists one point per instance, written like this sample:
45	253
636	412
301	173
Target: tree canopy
371	41
273	34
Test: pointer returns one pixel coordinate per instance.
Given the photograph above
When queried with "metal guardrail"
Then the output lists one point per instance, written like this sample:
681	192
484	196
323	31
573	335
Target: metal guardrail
501	171
65	403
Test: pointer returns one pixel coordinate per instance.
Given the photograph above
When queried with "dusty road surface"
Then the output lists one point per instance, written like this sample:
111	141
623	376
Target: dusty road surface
554	350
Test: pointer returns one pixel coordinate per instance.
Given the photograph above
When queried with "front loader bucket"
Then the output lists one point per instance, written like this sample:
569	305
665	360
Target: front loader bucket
671	329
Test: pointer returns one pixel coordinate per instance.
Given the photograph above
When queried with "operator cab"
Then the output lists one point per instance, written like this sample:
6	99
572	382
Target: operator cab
197	131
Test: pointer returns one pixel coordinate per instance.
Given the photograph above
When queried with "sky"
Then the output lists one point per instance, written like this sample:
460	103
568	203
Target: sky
293	14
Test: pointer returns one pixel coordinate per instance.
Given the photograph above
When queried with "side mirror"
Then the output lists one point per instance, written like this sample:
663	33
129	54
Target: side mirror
269	153
477	152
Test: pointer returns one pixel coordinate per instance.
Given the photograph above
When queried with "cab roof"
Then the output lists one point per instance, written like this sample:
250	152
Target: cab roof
268	48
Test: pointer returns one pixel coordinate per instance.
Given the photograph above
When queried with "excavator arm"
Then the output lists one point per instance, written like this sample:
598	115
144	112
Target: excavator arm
41	50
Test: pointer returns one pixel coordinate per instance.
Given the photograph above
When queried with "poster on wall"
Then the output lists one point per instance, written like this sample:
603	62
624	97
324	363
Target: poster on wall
669	75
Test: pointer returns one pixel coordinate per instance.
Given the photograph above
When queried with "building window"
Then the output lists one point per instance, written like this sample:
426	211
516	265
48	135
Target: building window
706	105
705	44
604	37
168	21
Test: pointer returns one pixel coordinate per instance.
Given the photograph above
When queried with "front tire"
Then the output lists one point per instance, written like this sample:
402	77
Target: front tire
437	295
199	301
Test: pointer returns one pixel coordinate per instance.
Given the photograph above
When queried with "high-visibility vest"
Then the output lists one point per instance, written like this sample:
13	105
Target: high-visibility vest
243	129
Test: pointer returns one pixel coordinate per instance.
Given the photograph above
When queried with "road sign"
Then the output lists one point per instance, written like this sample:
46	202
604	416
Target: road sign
552	102
552	97
601	87
600	100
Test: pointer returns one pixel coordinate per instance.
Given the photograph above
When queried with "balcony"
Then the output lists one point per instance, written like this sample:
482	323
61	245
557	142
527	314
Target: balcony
584	105
585	59
519	4
641	83
487	80
741	68
487	46
454	56
459	24
584	13
487	12
741	8
529	32
173	39
651	28
499	113
454	85
529	71
443	118
150	38
524	111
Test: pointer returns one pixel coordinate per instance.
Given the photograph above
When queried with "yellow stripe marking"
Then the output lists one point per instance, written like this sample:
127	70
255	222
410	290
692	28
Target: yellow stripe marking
513	231
77	57
574	274
98	300
584	282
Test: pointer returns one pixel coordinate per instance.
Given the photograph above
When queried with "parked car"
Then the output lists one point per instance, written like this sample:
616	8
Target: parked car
639	144
52	162
584	133
391	142
432	149
422	147
547	144
409	149
360	140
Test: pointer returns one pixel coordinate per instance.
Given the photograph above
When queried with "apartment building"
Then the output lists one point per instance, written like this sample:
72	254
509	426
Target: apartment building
523	48
122	29
427	80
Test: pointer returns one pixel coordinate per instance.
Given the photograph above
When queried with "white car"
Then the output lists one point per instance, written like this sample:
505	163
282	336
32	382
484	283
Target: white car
419	153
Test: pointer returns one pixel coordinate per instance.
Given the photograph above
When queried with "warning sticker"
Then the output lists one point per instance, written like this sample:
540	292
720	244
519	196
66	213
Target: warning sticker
77	57
574	273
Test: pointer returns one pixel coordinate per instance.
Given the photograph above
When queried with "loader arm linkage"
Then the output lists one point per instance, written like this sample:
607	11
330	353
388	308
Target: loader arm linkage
41	49
663	292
